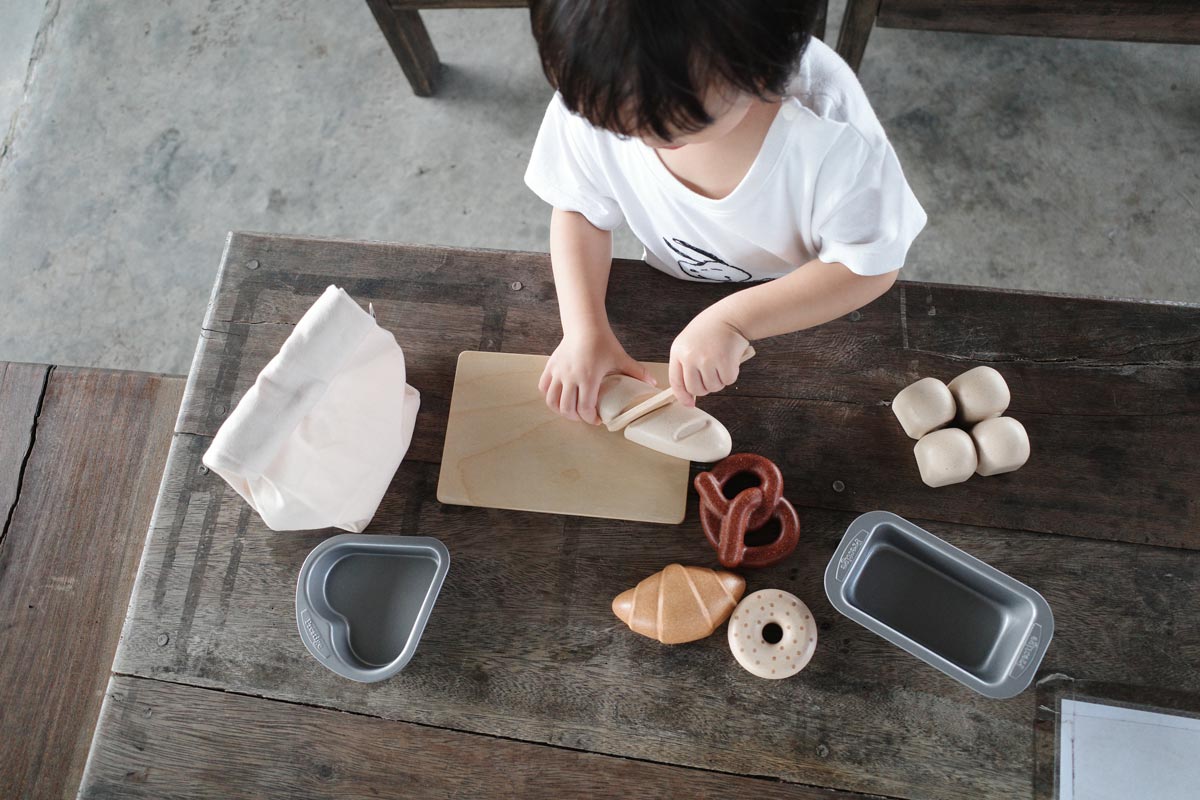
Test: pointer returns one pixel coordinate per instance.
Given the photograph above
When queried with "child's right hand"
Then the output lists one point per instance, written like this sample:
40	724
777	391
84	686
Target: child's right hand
571	380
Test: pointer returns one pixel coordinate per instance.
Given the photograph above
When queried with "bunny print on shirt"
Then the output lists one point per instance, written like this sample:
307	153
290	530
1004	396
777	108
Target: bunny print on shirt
704	265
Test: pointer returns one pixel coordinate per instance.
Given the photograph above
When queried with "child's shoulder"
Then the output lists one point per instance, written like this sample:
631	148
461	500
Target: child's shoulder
827	86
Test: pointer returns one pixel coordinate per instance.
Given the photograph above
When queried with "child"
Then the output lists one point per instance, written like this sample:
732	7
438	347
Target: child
738	149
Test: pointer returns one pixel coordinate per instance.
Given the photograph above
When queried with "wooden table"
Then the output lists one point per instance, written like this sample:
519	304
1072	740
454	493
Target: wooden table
526	685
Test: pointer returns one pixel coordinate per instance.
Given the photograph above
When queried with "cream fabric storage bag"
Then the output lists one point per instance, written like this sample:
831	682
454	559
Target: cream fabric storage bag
316	440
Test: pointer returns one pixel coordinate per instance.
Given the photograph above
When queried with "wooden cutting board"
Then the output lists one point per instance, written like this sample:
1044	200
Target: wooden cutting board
506	449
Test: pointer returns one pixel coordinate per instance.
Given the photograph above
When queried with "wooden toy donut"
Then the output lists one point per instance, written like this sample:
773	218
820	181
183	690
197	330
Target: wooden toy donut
772	634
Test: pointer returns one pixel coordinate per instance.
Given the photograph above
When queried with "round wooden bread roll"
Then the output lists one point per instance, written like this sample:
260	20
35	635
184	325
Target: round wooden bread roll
980	393
923	406
772	634
945	457
1002	443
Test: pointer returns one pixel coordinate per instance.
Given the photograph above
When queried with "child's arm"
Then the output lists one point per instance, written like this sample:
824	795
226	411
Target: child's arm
581	257
705	355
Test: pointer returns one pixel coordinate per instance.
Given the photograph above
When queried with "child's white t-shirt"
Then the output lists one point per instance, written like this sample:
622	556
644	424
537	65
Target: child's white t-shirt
826	184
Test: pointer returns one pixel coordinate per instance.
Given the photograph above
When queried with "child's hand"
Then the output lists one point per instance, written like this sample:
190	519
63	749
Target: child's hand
571	380
705	357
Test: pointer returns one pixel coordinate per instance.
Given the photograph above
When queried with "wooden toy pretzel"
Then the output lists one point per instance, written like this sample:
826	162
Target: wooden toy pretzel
726	522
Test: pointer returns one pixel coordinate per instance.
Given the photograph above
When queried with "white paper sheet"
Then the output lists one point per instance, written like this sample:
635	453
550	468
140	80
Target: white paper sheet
1112	753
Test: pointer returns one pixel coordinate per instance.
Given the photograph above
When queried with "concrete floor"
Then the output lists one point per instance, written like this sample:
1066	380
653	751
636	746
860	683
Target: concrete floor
145	130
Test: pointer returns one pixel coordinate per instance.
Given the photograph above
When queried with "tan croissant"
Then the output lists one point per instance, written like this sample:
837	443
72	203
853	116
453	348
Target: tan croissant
680	604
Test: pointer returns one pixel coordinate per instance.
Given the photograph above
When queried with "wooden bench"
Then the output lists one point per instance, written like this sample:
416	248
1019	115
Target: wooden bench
526	685
400	21
1175	21
81	457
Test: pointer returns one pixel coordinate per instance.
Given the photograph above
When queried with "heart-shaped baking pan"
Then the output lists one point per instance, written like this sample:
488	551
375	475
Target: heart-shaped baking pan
362	601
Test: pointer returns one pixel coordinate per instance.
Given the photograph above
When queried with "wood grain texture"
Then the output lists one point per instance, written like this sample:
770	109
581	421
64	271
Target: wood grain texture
1104	387
522	642
68	563
165	740
818	29
21	388
857	22
821	20
407	36
506	449
1175	21
444	4
1117	478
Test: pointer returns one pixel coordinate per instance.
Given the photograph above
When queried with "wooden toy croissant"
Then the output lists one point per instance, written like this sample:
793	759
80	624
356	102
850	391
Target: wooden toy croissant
680	604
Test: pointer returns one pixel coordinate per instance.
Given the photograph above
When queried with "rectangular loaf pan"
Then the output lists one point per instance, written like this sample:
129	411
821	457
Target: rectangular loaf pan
944	606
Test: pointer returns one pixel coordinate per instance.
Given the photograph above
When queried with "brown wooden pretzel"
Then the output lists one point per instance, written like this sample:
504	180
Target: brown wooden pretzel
727	522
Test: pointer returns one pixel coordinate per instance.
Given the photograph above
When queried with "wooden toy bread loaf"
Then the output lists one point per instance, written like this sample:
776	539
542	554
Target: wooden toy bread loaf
619	393
680	431
680	604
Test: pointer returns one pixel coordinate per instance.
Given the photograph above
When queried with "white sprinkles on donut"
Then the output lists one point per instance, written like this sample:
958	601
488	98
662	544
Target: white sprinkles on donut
797	634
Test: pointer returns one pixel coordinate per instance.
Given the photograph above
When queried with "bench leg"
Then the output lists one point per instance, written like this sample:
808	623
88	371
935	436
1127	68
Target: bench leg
410	43
856	28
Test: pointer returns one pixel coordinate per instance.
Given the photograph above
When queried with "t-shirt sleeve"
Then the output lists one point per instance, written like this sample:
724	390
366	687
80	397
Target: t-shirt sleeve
865	215
565	174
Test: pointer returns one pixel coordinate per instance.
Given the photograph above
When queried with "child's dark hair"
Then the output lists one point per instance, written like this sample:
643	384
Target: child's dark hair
637	66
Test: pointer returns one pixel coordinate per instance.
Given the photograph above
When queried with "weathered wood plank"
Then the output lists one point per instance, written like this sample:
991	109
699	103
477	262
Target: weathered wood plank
857	23
1175	21
304	266
1116	478
68	563
165	740
407	36
1060	355
820	21
1108	389
522	642
445	4
1065	355
21	387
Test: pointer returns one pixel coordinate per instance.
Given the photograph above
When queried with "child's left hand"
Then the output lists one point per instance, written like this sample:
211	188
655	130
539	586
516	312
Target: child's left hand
705	357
